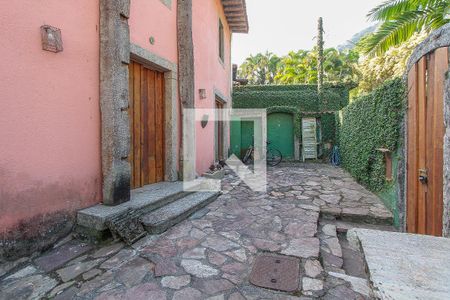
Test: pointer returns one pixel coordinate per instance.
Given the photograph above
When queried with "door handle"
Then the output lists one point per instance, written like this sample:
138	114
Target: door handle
423	176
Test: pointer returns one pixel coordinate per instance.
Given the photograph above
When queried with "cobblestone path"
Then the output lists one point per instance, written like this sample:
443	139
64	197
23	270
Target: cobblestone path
210	255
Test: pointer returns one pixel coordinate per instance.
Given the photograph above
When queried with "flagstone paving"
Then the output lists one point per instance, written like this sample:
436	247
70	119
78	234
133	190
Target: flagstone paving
211	254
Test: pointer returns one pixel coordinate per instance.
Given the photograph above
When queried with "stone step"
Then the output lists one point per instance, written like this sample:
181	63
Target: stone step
382	217
93	221
165	217
344	226
330	249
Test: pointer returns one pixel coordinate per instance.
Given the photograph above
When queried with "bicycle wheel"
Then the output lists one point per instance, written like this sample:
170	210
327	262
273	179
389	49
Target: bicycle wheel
274	157
247	157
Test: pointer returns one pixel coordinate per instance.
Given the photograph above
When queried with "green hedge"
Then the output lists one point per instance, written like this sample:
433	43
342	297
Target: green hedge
302	97
299	100
371	122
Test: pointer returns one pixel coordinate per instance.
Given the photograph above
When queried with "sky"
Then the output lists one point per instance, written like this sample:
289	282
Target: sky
284	25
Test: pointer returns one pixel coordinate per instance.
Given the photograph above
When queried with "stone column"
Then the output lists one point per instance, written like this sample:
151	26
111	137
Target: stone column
186	82
114	60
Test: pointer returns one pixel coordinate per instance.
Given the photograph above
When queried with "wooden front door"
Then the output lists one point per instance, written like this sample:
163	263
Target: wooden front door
146	125
425	143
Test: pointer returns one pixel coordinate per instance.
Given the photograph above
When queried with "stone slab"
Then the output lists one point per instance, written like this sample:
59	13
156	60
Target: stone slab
405	266
59	256
161	219
148	197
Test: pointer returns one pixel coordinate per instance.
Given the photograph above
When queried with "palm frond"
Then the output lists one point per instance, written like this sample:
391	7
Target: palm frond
395	32
392	8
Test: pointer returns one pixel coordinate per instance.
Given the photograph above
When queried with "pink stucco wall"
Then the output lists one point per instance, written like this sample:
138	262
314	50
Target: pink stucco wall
151	18
50	144
210	72
50	118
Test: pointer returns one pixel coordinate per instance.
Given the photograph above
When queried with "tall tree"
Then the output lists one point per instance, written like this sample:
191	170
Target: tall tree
401	19
320	58
260	68
301	67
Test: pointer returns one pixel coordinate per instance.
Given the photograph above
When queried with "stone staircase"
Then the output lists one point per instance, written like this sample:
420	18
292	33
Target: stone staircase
152	209
345	267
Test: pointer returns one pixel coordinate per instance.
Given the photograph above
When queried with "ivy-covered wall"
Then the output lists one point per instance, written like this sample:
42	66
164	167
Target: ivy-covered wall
301	97
299	100
369	123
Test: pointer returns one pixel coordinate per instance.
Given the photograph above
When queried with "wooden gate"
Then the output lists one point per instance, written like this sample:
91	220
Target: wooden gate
146	125
425	143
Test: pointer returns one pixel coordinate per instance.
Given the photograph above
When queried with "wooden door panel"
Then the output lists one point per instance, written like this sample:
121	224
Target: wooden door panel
412	169
131	115
136	133
438	68
151	124
159	128
146	125
425	143
421	140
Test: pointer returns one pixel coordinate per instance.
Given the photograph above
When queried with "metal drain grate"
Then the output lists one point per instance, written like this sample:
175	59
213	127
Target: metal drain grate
276	272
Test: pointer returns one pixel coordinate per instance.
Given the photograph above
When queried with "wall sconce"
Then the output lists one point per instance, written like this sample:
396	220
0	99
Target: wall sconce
151	40
202	93
51	39
204	121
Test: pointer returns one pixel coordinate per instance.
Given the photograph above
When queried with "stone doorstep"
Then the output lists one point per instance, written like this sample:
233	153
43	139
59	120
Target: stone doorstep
147	198
160	220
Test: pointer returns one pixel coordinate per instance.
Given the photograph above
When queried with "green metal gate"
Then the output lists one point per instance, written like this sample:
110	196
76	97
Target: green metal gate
280	132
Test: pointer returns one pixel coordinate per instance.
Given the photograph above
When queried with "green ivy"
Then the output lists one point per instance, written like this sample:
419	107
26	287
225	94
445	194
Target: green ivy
371	122
299	100
301	97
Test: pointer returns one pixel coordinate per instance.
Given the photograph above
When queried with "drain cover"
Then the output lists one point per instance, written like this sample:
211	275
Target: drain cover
276	272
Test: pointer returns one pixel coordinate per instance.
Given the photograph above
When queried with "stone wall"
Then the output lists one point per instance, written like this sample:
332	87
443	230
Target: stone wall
446	229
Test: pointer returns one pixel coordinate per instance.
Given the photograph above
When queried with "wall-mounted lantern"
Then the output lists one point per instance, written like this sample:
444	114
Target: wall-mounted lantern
202	93
151	40
51	39
204	121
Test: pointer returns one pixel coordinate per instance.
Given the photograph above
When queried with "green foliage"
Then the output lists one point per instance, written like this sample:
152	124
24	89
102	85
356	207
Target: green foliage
301	97
260	69
377	69
371	122
300	67
401	19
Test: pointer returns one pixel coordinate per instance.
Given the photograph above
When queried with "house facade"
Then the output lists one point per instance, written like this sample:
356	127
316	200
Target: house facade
93	93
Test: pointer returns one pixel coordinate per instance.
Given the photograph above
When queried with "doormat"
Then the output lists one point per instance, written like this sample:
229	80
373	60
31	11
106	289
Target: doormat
276	272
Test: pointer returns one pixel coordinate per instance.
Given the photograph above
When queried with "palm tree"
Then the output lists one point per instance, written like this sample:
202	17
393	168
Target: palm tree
401	19
260	68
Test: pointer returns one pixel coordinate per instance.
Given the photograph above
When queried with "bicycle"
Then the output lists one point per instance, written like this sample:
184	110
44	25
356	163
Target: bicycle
273	156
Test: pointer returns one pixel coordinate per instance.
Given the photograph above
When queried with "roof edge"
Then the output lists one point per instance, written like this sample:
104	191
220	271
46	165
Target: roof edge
236	14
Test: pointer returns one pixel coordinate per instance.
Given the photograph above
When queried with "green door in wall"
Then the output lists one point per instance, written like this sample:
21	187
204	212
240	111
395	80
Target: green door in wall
280	132
246	136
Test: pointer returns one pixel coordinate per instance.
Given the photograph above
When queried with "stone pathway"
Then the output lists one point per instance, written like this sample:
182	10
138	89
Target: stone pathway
210	255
